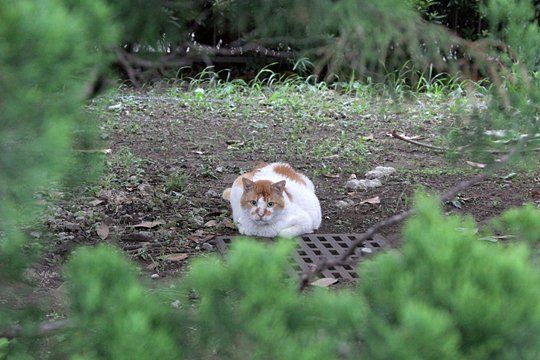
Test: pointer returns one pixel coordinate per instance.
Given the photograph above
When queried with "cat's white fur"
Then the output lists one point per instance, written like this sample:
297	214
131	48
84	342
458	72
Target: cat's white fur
300	215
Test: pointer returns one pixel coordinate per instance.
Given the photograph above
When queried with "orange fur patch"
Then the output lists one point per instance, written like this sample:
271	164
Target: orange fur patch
289	173
264	189
226	194
288	195
249	175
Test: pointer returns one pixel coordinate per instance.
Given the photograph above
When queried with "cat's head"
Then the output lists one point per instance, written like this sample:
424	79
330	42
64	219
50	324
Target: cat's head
262	199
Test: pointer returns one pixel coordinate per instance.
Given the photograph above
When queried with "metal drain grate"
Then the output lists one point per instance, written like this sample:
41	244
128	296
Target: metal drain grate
314	246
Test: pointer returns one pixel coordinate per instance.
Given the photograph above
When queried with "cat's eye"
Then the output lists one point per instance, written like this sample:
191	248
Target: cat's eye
254	202
270	204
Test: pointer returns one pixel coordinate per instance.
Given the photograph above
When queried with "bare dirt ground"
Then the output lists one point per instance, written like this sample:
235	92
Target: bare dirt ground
173	151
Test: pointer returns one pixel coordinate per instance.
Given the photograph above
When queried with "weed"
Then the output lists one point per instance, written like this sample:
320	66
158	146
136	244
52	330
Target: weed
176	182
121	166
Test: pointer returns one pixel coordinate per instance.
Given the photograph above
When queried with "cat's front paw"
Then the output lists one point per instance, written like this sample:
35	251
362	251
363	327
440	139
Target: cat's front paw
289	232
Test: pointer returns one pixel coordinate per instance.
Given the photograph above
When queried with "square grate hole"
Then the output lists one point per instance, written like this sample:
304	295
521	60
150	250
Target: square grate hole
313	247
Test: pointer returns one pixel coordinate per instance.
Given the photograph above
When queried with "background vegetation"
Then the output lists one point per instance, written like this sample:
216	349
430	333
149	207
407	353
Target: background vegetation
445	294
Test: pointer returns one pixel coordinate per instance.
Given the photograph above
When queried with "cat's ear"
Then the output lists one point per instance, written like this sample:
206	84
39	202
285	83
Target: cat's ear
279	187
248	184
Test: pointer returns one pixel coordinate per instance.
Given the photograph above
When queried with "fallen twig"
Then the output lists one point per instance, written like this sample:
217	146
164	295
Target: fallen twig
324	264
396	135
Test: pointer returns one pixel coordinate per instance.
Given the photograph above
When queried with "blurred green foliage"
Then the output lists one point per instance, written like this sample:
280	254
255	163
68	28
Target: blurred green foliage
114	316
445	294
44	48
524	223
47	51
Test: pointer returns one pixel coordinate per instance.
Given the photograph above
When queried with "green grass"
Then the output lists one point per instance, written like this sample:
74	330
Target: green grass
275	115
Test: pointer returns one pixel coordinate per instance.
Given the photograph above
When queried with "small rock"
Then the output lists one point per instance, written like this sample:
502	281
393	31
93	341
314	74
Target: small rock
212	193
198	220
141	236
366	250
69	226
155	276
126	218
65	237
175	304
364	184
343	204
207	247
35	234
380	171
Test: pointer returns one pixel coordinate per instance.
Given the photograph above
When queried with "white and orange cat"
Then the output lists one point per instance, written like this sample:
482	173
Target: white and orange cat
274	200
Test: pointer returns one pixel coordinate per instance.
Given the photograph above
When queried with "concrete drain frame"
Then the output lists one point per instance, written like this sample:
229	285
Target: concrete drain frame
313	247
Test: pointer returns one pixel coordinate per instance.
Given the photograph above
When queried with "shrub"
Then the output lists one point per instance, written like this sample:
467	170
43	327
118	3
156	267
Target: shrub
44	47
449	295
446	295
113	315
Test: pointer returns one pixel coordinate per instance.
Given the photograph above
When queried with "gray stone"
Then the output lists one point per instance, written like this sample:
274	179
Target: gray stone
212	193
364	184
198	220
207	247
380	171
343	204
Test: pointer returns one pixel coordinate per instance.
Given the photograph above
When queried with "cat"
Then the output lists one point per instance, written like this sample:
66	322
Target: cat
274	200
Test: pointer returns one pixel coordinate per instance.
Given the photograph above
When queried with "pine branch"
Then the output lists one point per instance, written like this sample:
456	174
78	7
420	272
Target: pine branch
324	264
343	259
394	134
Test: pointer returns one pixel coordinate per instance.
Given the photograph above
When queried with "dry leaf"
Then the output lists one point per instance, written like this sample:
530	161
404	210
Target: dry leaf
115	107
370	137
198	152
200	236
103	231
331	176
149	224
476	165
227	222
534	193
335	156
324	282
234	144
373	201
211	223
96	202
151	267
176	257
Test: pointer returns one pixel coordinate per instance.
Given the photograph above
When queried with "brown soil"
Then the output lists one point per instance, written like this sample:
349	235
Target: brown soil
190	152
